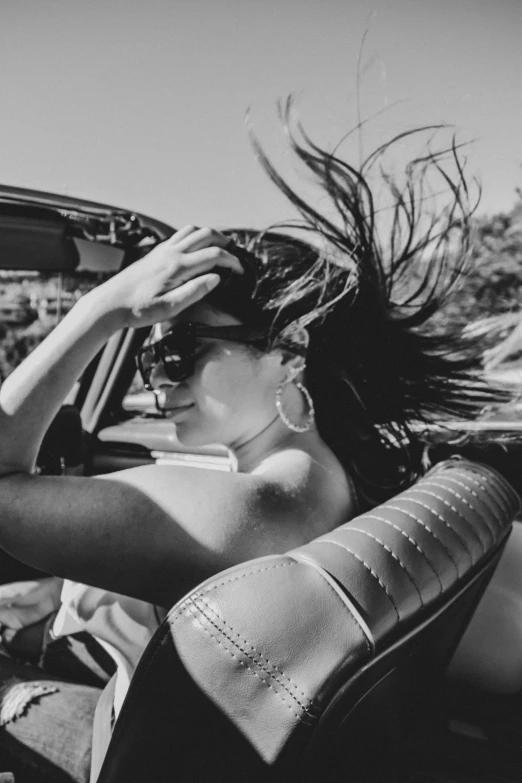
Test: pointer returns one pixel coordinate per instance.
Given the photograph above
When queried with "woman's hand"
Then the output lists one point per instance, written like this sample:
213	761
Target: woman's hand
173	276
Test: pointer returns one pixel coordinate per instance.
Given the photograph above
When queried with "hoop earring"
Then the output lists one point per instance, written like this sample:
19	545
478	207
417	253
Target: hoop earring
284	418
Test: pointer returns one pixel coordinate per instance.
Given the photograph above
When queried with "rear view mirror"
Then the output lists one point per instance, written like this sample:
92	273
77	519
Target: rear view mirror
35	238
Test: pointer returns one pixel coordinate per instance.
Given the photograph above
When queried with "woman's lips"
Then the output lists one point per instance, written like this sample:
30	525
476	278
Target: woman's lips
168	406
177	408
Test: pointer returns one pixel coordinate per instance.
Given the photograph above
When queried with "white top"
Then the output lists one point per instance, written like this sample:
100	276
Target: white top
123	626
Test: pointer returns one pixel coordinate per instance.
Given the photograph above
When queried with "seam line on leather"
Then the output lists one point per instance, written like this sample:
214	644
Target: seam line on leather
498	487
410	539
344	599
243	575
494	492
469	525
494	512
195	609
491	511
260	656
444	522
365	564
395	557
473	509
426	527
505	491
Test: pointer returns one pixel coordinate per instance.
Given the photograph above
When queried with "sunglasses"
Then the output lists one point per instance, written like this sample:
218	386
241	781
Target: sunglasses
176	350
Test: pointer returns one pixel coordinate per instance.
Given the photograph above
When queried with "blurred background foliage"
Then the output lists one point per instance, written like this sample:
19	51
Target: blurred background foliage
494	283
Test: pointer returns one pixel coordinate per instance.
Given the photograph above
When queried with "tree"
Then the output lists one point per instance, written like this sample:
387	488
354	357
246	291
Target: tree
488	302
494	283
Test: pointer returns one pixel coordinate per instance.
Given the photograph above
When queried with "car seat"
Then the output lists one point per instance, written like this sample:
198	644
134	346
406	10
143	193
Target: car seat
310	665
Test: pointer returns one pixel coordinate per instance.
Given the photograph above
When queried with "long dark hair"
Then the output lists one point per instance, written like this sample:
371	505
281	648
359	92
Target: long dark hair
380	362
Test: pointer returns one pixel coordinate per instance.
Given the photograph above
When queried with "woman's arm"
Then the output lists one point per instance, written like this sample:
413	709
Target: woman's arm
164	283
31	396
152	532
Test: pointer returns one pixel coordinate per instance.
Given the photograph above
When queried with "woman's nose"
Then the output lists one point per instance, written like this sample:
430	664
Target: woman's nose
159	378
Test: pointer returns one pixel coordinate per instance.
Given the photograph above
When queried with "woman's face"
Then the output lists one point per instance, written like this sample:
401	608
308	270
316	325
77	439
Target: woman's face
230	397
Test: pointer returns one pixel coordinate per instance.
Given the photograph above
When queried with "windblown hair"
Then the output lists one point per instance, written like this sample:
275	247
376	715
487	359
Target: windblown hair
380	363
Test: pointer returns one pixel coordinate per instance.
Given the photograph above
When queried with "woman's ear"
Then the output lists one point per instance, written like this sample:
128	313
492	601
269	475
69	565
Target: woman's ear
293	342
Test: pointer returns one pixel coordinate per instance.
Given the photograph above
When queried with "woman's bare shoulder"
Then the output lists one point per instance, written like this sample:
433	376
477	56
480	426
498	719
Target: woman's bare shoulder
321	494
220	504
290	498
235	516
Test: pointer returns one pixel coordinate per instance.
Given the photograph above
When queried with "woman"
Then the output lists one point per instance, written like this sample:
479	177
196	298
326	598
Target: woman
310	360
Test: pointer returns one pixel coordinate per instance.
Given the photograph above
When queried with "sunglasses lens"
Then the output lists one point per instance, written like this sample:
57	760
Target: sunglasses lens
177	351
177	365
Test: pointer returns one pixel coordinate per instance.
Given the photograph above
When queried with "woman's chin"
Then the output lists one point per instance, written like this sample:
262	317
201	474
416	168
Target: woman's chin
191	436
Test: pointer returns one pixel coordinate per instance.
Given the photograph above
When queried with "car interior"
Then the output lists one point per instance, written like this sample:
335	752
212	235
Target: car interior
327	663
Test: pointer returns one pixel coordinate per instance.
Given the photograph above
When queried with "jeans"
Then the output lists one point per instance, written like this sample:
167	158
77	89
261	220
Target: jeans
46	713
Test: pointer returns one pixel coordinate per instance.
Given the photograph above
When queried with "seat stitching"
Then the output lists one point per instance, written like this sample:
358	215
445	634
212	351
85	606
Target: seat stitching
432	511
249	573
370	569
195	609
495	510
467	503
489	492
494	492
259	654
452	507
410	539
498	508
387	548
257	661
233	579
425	526
437	497
502	491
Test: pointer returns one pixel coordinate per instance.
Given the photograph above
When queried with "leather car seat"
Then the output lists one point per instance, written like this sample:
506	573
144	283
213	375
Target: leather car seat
308	666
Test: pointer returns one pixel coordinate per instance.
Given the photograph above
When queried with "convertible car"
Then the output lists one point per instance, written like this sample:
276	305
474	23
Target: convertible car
333	670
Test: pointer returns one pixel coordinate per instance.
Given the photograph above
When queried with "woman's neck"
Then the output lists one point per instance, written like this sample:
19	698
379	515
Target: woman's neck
274	438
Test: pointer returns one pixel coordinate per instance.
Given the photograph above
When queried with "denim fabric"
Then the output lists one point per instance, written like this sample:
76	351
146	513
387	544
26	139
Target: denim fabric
49	739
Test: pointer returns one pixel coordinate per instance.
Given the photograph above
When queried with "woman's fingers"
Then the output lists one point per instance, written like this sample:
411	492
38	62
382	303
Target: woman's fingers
201	237
207	258
191	265
181	234
189	293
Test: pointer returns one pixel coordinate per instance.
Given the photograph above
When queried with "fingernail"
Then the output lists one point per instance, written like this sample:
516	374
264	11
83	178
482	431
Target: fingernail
212	280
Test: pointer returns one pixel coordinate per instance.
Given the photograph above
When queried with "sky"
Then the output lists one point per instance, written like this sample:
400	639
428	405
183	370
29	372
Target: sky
143	104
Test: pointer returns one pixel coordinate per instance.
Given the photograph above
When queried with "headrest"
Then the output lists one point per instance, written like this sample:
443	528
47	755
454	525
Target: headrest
402	556
273	634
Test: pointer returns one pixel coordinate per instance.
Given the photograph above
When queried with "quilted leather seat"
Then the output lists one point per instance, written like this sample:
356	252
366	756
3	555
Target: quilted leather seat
308	666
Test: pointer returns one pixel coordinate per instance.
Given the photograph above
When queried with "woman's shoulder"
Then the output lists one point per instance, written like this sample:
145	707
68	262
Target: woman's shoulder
291	497
315	487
